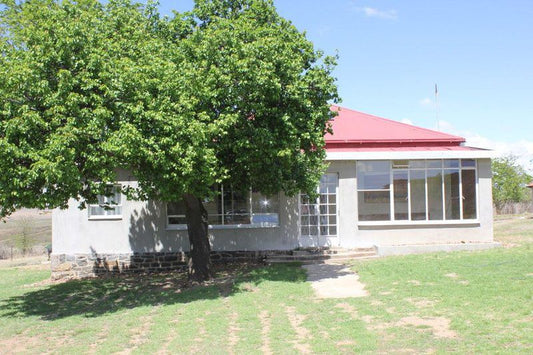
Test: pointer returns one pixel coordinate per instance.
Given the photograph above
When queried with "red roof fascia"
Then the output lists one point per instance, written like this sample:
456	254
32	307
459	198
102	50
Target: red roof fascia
356	127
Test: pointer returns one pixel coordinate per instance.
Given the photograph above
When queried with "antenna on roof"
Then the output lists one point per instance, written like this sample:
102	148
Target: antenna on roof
437	107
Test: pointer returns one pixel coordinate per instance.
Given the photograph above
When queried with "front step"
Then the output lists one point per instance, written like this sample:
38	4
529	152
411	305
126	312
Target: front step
312	256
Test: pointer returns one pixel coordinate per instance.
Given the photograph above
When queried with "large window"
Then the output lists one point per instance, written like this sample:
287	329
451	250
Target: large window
417	190
109	205
319	217
232	207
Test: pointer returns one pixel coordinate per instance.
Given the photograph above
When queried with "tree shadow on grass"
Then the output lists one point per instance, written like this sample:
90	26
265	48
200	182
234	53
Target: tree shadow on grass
99	296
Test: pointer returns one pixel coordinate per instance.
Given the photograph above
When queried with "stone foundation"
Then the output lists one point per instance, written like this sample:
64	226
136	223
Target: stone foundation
90	265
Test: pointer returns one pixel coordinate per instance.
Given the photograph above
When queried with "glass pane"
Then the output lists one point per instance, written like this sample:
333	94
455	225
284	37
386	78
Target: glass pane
323	209
175	208
434	181
333	230
451	194
332	220
418	195
400	164
373	175
323	230
417	164
451	163
236	207
177	220
401	200
434	164
333	209
305	230
469	194
374	205
332	198
468	163
264	204
323	198
313	230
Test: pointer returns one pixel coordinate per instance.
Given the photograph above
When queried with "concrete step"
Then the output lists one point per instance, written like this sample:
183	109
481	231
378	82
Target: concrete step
324	255
320	261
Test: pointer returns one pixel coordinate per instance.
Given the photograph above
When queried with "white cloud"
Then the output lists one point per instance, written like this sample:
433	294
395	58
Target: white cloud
522	149
407	121
382	14
426	101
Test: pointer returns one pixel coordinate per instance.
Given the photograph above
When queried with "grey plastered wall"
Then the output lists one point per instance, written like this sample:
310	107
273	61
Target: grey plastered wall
143	228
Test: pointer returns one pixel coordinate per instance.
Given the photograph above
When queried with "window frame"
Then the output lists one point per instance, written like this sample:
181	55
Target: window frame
95	217
183	226
444	221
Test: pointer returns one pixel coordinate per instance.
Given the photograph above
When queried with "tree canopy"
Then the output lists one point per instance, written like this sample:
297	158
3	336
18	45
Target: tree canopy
509	180
227	92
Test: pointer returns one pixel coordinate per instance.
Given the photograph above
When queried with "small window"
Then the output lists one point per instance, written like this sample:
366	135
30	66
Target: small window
109	205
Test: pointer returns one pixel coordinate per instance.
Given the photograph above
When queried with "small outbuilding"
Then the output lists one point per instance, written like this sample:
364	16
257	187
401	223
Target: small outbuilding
389	185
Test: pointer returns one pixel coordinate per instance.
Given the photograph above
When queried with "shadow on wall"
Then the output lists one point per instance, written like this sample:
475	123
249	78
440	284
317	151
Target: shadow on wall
284	237
96	297
148	233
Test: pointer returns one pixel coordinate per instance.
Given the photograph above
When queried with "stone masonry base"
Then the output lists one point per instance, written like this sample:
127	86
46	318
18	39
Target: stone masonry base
90	265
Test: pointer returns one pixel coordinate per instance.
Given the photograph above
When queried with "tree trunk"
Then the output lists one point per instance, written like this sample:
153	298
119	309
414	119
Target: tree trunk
199	260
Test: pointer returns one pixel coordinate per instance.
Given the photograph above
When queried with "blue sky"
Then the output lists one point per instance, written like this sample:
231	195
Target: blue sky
480	54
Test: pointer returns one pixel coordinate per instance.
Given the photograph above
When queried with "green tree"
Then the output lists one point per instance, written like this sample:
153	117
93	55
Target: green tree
509	179
227	93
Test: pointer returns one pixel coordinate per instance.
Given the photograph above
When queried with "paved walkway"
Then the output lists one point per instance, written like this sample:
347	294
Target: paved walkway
334	281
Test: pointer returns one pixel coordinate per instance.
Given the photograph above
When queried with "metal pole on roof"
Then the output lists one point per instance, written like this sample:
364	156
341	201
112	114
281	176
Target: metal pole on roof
437	107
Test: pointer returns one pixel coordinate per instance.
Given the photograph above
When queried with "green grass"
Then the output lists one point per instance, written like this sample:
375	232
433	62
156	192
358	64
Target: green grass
446	302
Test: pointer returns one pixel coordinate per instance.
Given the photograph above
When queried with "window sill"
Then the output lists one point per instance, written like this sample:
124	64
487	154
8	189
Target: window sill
419	224
182	227
105	218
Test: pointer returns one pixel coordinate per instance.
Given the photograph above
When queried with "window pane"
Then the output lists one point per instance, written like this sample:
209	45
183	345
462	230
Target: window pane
469	194
265	209
417	164
401	200
434	164
418	195
451	163
175	208
374	205
373	175
400	164
177	220
434	181
451	193
236	207
468	163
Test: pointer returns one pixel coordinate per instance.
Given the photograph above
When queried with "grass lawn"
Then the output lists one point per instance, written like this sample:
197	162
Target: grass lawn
460	302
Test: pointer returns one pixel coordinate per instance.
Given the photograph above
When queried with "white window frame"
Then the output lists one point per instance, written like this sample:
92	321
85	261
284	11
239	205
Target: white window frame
94	217
318	215
427	221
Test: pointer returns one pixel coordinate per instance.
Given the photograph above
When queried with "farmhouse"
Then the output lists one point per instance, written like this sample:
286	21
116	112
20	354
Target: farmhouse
389	185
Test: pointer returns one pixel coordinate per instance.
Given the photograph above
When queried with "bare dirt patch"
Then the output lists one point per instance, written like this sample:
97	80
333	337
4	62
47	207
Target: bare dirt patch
302	333
439	326
233	332
452	275
264	318
347	308
421	302
19	344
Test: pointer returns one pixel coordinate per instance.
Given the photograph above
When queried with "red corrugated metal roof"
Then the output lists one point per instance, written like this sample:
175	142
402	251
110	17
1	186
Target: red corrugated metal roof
360	128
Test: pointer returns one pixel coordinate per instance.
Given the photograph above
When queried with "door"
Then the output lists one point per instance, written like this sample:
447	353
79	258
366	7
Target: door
319	217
